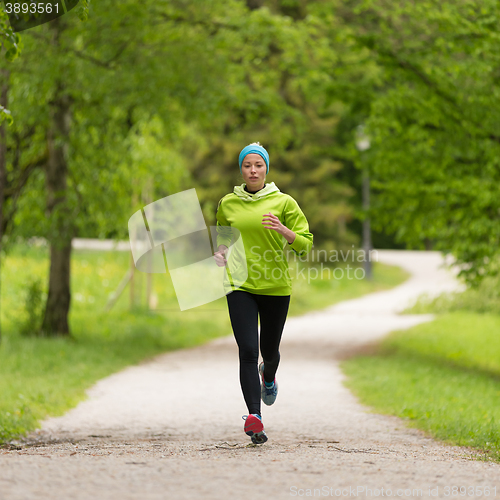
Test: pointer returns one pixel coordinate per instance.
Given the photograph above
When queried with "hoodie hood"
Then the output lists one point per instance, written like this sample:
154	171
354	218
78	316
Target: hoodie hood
245	196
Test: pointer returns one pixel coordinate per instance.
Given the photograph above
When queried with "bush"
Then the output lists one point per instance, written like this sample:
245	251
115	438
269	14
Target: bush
485	298
33	308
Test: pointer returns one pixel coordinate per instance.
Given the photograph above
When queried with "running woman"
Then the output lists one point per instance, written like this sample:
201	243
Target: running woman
268	221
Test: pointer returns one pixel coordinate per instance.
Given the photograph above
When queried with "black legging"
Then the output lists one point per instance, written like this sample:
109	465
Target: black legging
244	309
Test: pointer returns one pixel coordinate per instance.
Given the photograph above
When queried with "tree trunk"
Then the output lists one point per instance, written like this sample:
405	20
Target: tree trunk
4	88
55	321
367	232
254	4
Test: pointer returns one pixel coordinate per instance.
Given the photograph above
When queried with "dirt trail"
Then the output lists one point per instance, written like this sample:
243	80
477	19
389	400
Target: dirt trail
171	428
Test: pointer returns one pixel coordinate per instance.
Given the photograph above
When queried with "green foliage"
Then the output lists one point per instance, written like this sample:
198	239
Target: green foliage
275	64
298	76
5	114
276	96
83	9
33	305
441	377
485	298
121	139
9	41
165	94
10	48
435	147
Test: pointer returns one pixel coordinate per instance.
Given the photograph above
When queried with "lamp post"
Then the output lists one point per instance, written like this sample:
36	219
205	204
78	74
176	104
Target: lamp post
363	144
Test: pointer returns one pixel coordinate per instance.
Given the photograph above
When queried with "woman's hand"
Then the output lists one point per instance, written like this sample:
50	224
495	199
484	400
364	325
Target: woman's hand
220	256
273	222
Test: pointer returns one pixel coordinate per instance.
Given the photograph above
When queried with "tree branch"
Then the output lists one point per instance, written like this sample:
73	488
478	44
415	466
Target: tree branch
435	87
103	64
213	25
16	193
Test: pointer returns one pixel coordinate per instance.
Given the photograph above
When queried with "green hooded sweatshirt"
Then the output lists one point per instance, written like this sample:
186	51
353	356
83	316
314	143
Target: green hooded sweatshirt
265	253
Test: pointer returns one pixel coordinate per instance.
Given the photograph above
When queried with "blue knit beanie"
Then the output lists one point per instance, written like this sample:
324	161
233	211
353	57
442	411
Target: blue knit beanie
254	148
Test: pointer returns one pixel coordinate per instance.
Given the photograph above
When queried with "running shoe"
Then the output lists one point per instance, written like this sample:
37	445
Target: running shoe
268	394
255	428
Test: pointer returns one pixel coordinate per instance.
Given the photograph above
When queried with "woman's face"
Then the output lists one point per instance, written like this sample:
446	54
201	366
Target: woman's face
253	170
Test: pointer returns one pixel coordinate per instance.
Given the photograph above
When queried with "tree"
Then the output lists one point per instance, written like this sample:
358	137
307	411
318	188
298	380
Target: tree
72	82
9	50
4	74
12	183
430	105
277	97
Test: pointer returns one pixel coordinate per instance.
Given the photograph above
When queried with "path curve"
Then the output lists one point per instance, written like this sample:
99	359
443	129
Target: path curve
171	428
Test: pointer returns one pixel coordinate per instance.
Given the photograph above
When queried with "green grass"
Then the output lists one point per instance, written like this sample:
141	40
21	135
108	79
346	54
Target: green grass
442	377
484	298
47	376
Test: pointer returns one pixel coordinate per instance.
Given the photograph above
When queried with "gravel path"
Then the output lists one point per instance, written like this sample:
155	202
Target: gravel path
171	428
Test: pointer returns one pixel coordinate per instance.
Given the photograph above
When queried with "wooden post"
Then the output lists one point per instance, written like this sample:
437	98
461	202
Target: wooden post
367	234
116	294
147	198
132	264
